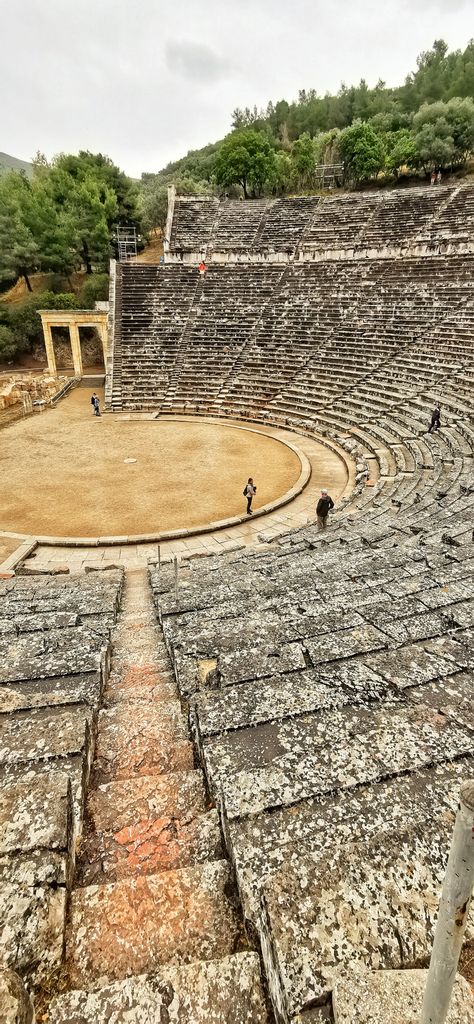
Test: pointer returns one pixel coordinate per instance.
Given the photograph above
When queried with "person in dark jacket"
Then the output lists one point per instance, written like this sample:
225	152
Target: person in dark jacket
435	419
323	508
93	398
249	491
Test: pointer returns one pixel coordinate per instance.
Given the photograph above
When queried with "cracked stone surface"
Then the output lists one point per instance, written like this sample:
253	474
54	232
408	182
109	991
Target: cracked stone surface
33	912
147	824
180	794
136	739
36	815
141	922
374	903
393	997
148	845
15	1003
224	991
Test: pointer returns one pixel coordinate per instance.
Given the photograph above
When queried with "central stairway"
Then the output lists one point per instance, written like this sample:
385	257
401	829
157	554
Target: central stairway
155	931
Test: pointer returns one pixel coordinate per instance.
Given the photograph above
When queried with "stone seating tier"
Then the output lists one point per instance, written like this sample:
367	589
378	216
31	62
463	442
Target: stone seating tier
312	673
303	332
392	219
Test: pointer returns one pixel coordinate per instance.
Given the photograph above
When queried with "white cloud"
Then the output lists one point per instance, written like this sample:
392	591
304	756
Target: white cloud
195	61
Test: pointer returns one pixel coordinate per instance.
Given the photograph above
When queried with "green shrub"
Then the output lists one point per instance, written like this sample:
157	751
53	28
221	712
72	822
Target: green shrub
7	344
94	289
24	321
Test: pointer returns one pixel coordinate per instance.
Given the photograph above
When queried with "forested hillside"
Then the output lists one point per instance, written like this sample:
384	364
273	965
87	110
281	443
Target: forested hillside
12	163
425	123
60	221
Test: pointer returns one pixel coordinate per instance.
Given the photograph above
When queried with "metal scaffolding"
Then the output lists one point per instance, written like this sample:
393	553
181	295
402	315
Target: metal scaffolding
329	175
126	242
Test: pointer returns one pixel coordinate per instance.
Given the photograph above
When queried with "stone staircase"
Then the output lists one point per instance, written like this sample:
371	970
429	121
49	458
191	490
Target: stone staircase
154	924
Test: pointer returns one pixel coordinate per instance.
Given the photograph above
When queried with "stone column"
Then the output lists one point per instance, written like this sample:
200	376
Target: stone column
169	219
48	341
104	337
76	349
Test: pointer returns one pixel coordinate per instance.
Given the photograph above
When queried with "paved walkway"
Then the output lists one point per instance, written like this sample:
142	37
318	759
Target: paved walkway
327	470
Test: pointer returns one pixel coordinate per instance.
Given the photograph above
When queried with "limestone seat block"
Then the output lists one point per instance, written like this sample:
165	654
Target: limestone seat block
393	997
373	903
36	814
33	912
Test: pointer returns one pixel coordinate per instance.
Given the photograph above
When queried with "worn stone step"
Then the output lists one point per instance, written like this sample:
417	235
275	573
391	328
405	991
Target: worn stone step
142	739
373	903
149	846
114	805
393	997
132	636
144	658
139	924
225	991
147	824
140	683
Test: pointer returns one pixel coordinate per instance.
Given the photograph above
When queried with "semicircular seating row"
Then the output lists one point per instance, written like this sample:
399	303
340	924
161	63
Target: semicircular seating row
360	350
418	219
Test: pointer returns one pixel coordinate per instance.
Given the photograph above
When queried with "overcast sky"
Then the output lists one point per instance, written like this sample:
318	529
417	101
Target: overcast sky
146	80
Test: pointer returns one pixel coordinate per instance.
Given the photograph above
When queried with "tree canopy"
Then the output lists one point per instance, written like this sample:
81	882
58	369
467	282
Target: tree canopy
247	158
425	123
64	216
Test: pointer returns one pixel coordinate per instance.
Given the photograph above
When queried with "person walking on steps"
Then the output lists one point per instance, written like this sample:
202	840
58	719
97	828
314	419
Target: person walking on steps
96	406
323	508
435	418
249	491
93	398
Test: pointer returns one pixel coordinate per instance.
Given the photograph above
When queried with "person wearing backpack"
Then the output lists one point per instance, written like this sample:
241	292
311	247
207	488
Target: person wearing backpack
323	508
249	491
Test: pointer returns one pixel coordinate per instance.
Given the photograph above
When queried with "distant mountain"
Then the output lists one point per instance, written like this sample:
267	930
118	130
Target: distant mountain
11	163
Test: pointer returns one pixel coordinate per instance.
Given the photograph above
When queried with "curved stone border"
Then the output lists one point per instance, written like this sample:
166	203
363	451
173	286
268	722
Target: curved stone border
192	531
